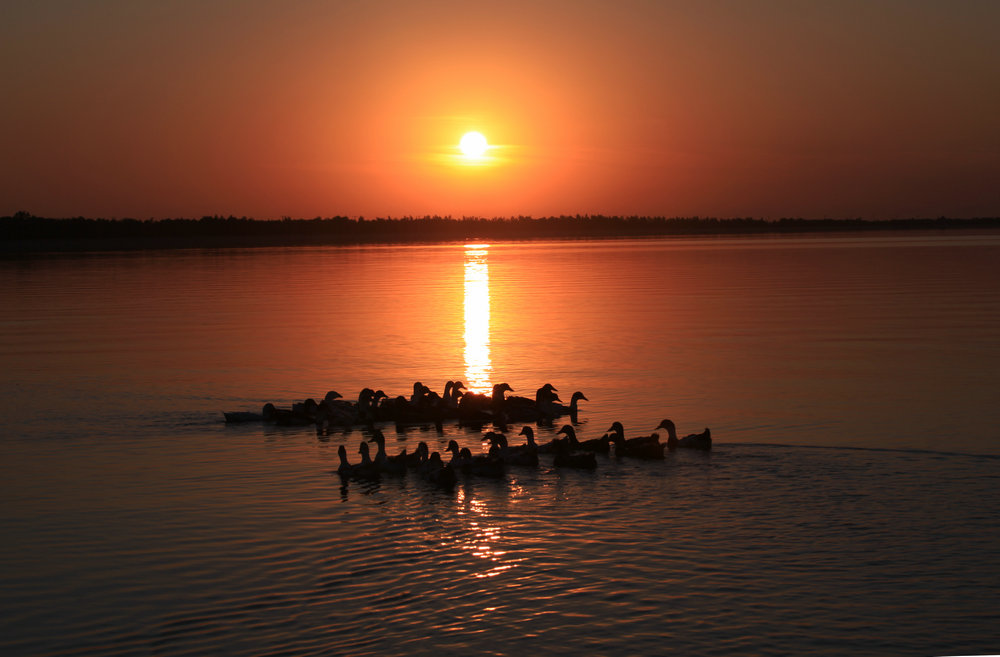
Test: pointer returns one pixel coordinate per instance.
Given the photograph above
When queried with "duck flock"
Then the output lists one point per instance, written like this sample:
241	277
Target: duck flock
425	408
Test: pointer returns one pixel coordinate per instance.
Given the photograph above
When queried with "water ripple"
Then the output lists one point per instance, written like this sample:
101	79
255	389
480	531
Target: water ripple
818	550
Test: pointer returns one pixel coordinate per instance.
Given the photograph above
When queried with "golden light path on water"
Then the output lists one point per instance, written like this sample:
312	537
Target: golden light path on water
482	535
478	369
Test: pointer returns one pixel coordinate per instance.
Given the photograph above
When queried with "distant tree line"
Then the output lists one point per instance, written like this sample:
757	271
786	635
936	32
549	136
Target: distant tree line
26	232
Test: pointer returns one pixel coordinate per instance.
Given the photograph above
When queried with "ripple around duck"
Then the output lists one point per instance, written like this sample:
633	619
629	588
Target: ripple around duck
751	549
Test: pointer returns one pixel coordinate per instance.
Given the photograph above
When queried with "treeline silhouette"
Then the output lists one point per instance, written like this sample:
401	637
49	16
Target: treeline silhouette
26	232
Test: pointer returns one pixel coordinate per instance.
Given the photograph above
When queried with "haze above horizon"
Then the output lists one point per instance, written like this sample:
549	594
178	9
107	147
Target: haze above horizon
767	109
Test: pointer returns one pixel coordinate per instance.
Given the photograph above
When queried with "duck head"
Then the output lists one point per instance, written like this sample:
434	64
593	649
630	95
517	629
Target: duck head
570	434
669	426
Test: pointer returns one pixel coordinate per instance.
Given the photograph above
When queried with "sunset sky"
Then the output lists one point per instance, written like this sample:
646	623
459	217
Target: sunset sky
870	108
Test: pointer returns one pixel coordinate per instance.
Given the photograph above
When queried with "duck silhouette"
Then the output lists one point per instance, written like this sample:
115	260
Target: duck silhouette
565	457
699	441
600	445
384	462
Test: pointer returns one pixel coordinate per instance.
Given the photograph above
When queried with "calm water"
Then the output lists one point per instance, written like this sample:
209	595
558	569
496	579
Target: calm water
849	506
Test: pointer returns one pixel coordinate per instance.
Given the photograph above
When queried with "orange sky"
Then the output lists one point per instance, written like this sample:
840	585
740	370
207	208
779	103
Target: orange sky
851	108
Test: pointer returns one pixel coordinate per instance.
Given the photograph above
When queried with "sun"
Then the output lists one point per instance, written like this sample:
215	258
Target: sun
473	145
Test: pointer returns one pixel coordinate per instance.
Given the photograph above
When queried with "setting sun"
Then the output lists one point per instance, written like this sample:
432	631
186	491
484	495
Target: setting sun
473	145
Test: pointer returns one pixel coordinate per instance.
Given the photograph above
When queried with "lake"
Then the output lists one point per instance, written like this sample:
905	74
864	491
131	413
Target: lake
848	506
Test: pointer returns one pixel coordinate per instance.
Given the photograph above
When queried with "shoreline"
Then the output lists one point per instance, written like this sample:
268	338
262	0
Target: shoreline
23	234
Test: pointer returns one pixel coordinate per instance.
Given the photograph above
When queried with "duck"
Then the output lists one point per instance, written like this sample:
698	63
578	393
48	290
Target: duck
384	462
451	398
417	459
520	455
336	400
364	470
345	469
700	441
648	450
474	410
459	460
523	409
617	431
364	409
445	399
565	457
573	410
546	394
641	447
301	414
601	445
306	410
334	411
367	468
498	400
529	437
483	465
529	446
437	473
382	407
419	392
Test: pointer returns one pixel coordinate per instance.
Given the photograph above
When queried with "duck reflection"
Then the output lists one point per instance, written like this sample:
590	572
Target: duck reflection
478	369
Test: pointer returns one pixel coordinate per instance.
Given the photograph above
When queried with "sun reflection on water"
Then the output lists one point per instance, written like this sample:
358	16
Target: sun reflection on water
483	537
478	369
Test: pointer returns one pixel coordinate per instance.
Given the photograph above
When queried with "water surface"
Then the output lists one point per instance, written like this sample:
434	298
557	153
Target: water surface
848	507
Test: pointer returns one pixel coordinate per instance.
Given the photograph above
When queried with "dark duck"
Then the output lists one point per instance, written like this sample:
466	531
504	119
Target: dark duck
600	445
566	457
700	441
384	462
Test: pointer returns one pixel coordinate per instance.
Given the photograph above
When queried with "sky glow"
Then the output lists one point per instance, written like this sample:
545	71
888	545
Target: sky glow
764	109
